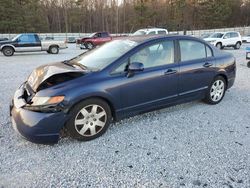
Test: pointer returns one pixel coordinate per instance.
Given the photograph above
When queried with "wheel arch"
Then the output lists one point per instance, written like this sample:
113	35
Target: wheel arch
106	99
223	76
8	45
53	45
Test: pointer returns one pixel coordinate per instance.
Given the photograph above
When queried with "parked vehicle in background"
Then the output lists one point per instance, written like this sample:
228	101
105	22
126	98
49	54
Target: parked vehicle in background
49	38
248	56
121	78
205	35
150	31
30	42
94	39
71	40
3	39
246	38
225	39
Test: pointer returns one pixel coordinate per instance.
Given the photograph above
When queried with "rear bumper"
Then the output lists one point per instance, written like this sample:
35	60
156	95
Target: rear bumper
37	127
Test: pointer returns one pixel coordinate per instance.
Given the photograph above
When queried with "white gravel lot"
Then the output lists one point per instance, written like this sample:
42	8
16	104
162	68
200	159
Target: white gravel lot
189	145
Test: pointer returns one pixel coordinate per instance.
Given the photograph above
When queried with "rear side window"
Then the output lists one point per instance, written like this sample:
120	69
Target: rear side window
192	50
234	35
105	35
162	32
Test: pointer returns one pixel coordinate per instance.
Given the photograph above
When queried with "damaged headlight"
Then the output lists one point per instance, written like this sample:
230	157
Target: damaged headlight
45	104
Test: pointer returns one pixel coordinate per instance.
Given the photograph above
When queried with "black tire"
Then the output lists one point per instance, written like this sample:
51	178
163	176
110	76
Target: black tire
74	130
48	51
89	45
237	45
219	45
8	51
248	64
54	49
208	98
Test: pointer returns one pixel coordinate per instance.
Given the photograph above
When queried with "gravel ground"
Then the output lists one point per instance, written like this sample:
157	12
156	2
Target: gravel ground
189	145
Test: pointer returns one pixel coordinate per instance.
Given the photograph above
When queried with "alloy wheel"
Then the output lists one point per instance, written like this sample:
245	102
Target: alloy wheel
217	90
90	120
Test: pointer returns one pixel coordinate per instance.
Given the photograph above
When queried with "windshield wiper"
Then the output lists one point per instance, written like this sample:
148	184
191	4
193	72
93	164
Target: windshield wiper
67	62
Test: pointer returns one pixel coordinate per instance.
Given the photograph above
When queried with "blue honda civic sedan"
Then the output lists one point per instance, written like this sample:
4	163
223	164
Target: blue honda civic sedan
122	78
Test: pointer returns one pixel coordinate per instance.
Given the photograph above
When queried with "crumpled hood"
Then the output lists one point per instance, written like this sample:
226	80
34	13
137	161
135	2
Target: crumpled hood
43	73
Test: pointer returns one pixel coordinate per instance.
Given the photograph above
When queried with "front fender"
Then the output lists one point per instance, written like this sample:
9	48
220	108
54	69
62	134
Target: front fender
7	45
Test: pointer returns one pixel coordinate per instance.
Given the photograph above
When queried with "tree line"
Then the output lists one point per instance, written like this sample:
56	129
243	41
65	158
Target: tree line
120	16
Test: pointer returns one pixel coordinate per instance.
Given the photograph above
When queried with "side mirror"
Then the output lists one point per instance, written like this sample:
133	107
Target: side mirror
134	67
226	37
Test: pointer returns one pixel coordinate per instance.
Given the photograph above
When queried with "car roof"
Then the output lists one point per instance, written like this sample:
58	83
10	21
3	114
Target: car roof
151	29
146	38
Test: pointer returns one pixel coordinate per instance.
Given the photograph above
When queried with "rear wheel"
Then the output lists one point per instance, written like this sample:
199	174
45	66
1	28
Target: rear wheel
216	91
237	45
89	119
219	45
8	51
54	50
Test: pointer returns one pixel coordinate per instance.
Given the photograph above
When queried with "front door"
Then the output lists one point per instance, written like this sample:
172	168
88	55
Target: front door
157	84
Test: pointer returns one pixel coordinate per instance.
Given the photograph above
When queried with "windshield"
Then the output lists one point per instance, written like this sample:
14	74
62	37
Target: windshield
92	35
16	37
216	35
104	55
140	32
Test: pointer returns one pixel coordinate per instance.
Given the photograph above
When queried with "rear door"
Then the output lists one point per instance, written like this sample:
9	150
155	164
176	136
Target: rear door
197	67
28	42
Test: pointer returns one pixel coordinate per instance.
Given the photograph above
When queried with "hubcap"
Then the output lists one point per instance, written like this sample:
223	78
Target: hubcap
238	45
8	52
217	90
90	45
54	50
90	120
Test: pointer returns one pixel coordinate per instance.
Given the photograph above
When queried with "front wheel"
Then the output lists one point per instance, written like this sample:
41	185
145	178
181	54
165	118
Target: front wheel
89	119
219	45
8	51
216	91
90	45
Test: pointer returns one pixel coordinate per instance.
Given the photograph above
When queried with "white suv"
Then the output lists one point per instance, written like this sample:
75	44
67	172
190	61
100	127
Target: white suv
225	39
151	31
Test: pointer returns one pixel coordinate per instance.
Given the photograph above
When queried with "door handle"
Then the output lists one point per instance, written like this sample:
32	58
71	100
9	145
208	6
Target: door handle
207	65
170	71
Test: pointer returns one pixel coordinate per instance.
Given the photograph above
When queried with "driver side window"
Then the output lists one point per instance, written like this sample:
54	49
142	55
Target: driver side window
151	56
155	55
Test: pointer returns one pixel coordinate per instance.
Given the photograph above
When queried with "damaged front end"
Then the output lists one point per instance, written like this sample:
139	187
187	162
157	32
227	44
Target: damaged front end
43	78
